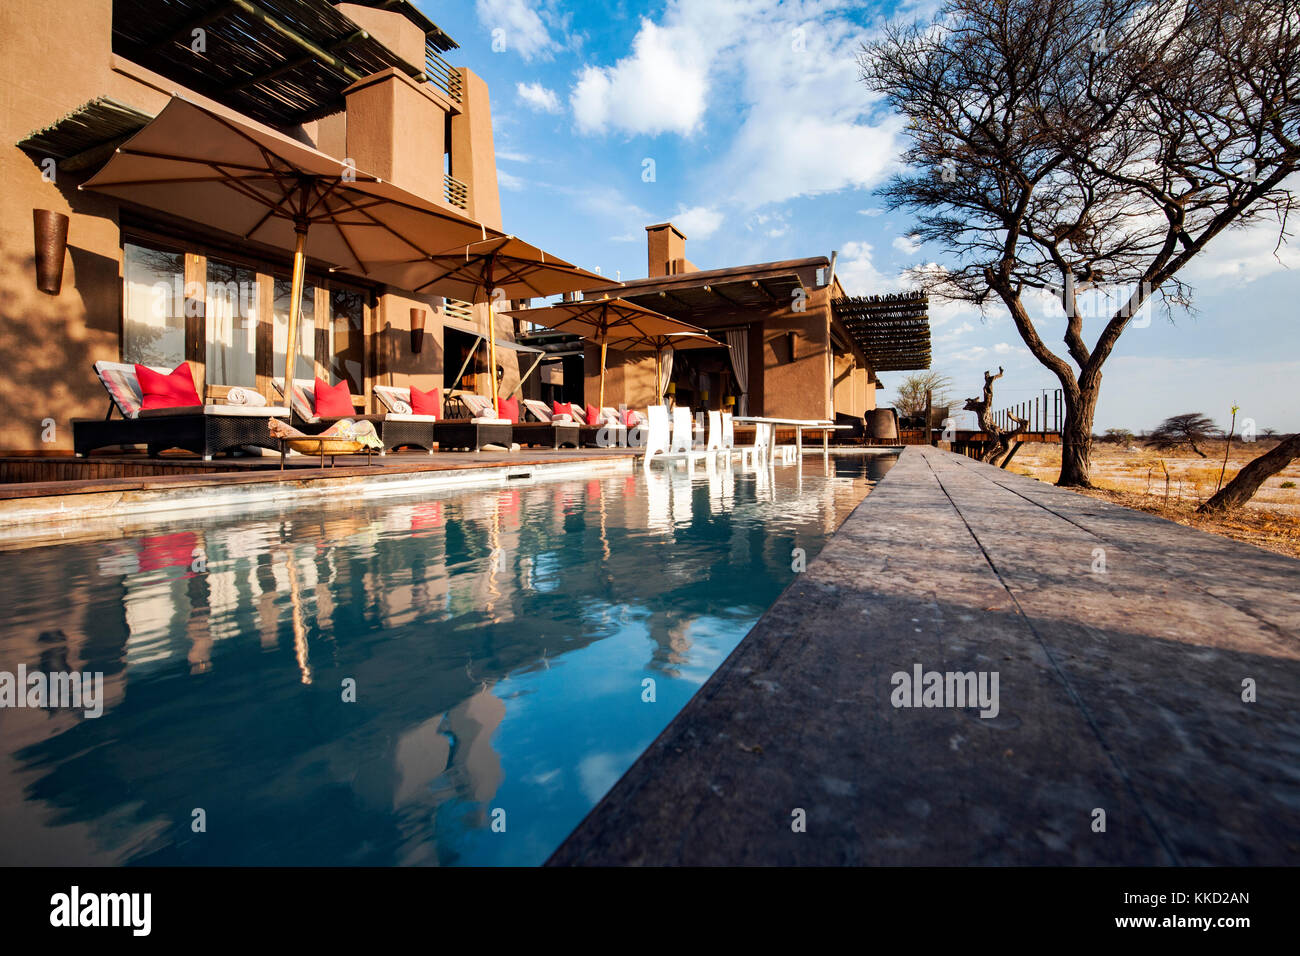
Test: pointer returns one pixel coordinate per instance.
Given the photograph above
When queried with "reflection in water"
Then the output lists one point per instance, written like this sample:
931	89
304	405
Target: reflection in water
497	642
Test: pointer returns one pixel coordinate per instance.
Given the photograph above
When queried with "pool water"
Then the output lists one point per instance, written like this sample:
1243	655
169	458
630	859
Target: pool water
450	680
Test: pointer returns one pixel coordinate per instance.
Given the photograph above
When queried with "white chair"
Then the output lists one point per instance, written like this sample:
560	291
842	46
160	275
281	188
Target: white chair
660	444
684	436
761	451
714	444
728	434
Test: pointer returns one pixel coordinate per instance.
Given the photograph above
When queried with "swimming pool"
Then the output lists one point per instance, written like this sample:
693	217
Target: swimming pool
452	680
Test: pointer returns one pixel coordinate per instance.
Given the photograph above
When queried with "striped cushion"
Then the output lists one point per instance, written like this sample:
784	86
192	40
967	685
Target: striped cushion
119	380
303	399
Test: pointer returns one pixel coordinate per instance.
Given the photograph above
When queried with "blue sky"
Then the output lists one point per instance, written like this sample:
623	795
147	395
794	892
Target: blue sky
744	123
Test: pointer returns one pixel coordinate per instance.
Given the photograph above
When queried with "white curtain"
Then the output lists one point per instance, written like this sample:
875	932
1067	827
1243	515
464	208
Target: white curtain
667	362
738	343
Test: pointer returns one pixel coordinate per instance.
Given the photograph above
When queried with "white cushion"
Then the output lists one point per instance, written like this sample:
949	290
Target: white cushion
257	411
397	417
491	421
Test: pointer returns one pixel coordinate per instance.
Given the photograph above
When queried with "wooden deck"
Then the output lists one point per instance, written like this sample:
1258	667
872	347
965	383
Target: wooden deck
1121	642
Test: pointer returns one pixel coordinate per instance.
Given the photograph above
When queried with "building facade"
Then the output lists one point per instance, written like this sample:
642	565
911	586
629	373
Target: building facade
364	82
786	352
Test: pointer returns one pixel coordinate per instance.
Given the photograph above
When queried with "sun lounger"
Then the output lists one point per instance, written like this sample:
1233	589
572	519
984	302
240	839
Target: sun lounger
483	428
396	429
545	430
206	430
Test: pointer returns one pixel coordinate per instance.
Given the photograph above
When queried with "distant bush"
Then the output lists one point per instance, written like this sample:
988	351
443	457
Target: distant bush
1119	436
1288	484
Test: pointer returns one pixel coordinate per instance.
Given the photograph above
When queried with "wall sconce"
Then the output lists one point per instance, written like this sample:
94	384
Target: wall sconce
417	330
51	230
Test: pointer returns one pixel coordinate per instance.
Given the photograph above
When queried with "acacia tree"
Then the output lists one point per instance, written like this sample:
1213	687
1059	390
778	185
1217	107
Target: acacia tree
1059	147
1179	430
910	396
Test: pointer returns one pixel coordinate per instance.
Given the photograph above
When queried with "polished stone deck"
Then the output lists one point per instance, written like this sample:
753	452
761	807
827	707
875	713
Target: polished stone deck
1119	691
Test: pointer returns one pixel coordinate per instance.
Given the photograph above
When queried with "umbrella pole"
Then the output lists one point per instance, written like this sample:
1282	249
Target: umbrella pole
492	354
602	374
295	306
659	377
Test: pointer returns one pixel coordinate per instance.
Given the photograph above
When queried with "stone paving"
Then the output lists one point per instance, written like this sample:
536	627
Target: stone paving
1119	641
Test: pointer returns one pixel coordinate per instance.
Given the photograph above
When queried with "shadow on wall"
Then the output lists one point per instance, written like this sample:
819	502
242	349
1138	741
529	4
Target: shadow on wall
51	342
393	355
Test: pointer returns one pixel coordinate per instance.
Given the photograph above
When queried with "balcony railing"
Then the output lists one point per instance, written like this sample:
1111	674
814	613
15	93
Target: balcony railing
456	192
443	75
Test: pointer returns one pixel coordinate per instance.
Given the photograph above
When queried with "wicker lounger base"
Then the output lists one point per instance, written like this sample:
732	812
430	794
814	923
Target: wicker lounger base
394	434
205	435
547	434
472	435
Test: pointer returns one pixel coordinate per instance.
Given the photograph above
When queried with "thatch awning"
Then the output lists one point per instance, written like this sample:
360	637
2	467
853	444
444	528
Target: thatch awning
893	331
86	135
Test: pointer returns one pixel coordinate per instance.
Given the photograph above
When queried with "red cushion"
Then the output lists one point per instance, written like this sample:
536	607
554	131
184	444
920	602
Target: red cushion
333	401
167	391
425	403
593	415
630	418
508	408
565	408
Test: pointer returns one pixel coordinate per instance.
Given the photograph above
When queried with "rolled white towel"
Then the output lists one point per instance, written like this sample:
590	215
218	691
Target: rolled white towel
243	396
402	408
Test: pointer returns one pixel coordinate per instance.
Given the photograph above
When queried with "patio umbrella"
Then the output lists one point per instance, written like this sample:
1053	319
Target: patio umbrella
216	168
491	268
671	340
608	321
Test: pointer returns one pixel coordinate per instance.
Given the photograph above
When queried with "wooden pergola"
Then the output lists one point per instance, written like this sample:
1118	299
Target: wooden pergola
893	331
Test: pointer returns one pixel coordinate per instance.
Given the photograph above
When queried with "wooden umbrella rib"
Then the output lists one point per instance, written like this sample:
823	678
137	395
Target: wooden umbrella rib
348	243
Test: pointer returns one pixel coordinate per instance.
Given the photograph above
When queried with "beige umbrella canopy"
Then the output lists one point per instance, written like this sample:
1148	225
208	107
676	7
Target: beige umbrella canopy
490	269
242	178
616	322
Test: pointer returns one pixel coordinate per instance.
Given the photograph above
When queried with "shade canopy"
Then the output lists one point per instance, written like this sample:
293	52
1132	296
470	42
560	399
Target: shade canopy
472	271
242	178
491	268
211	167
617	322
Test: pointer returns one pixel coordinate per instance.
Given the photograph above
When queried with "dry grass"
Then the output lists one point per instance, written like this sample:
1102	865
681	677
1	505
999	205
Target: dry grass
1136	478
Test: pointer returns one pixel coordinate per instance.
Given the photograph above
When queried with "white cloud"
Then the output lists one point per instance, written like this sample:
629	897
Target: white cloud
1240	256
539	98
858	273
661	87
510	181
871	212
522	29
698	222
512	156
906	245
806	125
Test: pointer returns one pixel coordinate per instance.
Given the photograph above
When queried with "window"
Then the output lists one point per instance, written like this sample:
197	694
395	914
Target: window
346	361
153	306
306	364
231	323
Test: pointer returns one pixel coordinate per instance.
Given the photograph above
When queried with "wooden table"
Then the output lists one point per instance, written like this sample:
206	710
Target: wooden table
800	425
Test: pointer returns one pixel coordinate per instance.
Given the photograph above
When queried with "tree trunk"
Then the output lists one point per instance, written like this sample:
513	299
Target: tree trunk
1076	438
1242	488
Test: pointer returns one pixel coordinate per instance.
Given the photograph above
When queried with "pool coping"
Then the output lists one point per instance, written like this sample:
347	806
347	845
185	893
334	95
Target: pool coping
114	502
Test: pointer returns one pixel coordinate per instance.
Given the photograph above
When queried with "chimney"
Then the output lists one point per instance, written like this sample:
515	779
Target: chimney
666	250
